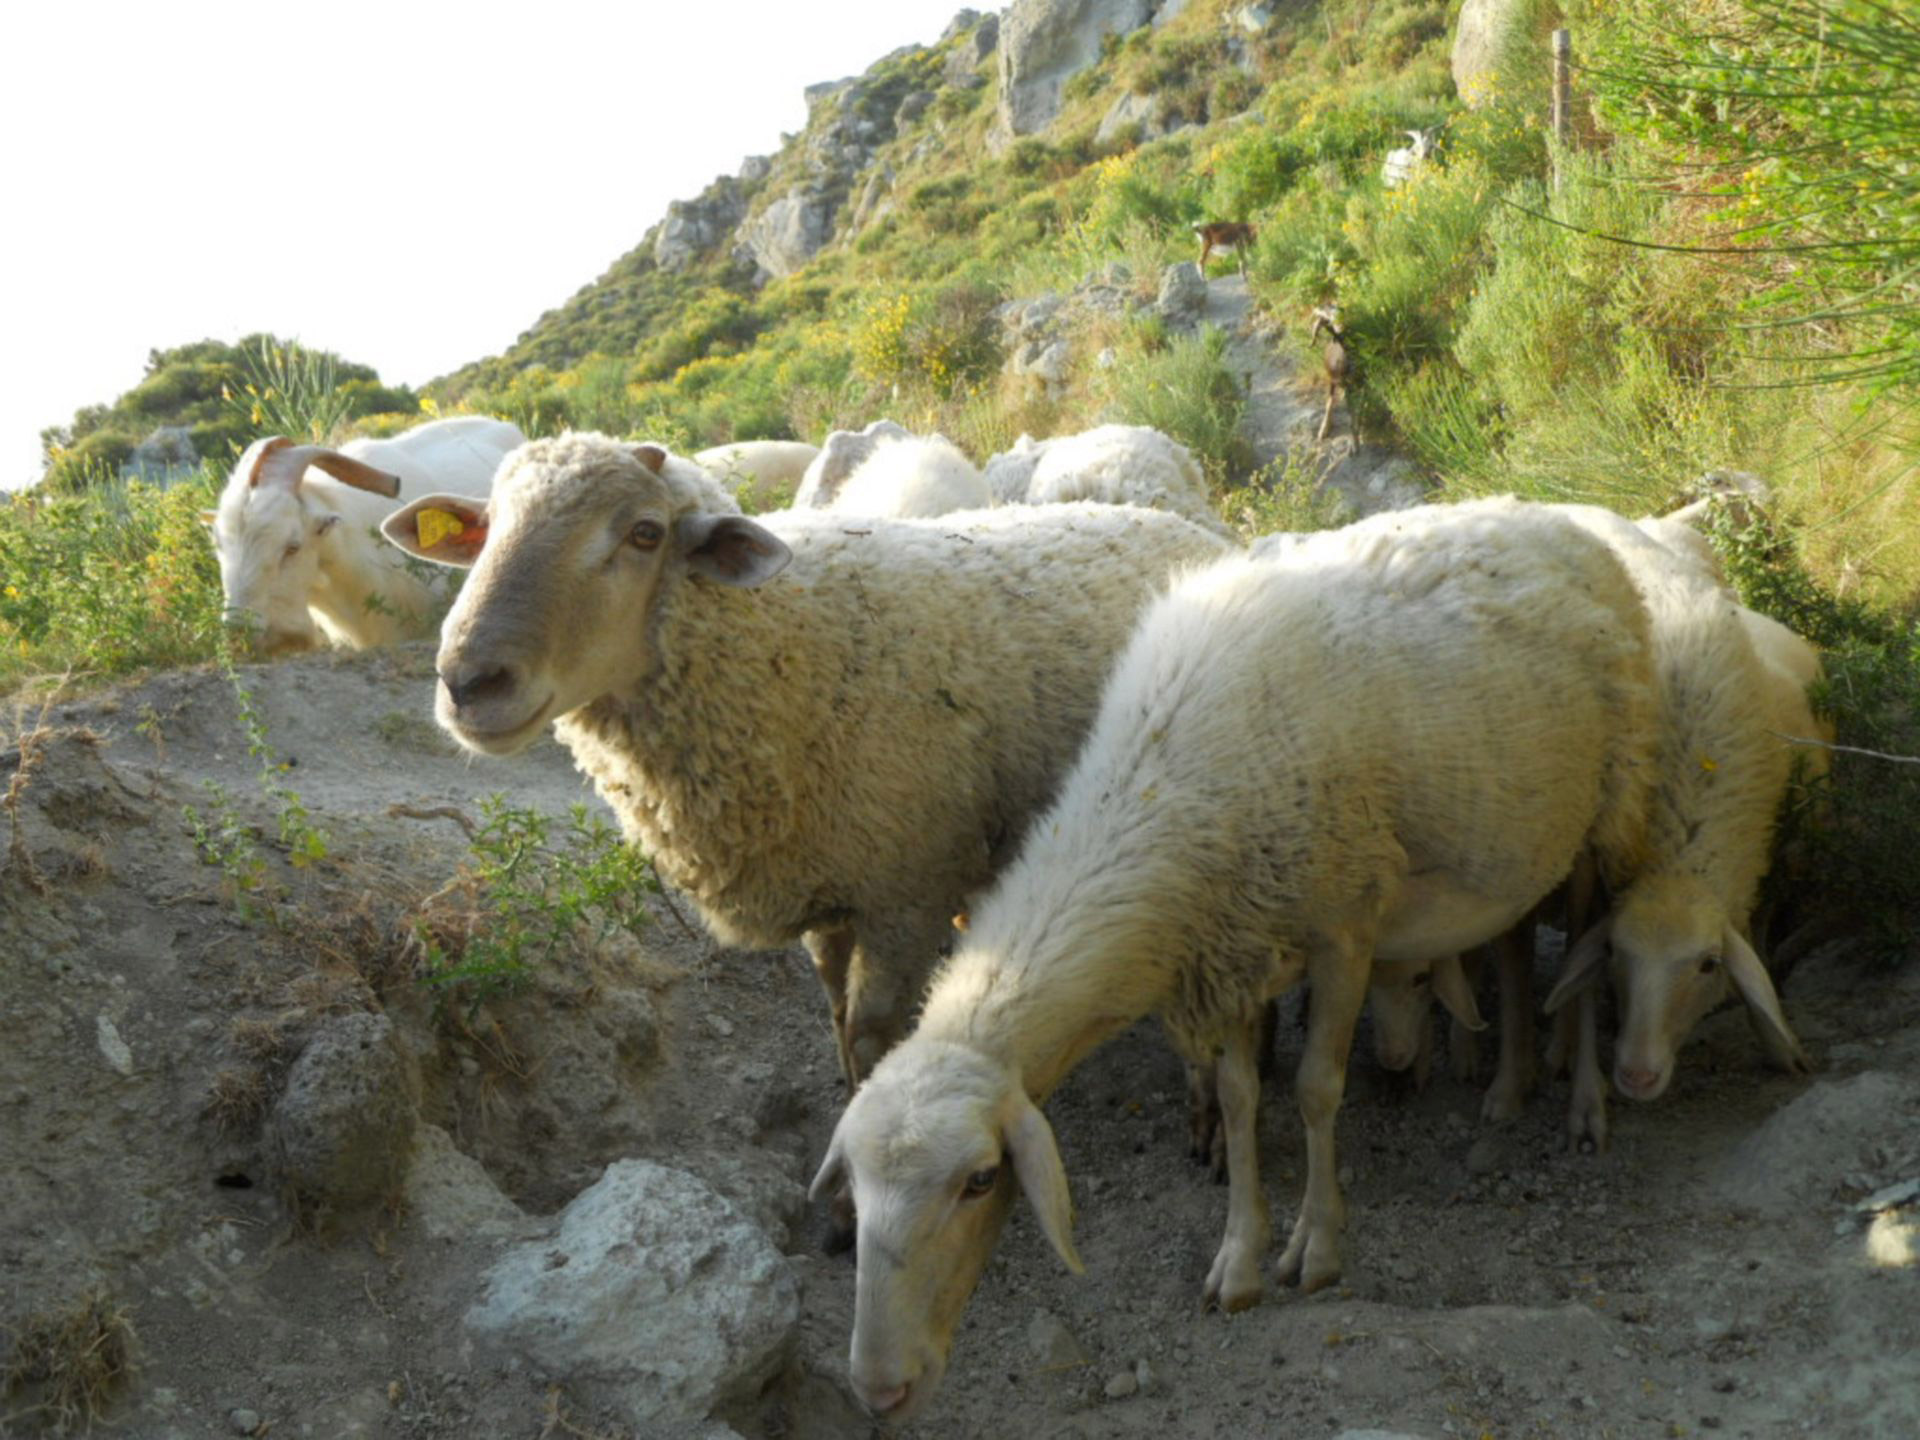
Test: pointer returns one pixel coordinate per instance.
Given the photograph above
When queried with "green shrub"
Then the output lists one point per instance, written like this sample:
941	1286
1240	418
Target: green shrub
1188	391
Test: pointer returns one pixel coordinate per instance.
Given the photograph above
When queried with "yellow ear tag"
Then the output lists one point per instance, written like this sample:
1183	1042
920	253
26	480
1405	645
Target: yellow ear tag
433	526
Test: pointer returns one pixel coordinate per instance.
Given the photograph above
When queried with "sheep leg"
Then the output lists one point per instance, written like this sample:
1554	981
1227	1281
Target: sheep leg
1587	1106
832	952
1206	1142
1234	1281
1463	1045
1326	420
1513	1081
1338	974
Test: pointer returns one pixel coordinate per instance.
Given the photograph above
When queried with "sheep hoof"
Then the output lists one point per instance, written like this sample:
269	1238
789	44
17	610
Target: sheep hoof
1233	1284
1312	1257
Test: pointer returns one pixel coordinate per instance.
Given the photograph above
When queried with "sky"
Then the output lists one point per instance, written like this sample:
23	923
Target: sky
407	184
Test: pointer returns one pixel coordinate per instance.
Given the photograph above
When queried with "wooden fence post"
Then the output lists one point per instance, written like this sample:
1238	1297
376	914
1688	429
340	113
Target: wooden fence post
1562	98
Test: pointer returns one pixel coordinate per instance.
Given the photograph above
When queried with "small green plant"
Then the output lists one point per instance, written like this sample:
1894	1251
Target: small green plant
289	390
527	892
304	842
226	841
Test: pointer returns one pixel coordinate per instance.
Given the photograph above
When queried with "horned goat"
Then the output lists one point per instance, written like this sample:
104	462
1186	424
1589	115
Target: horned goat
297	532
816	727
1301	761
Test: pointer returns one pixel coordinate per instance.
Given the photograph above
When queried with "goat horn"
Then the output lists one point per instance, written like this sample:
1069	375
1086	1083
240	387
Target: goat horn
283	462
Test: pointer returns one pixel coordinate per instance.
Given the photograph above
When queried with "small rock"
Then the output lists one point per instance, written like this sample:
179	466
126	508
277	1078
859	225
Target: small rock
1144	1376
720	1026
1052	1344
343	1127
1891	1198
1344	1175
1121	1386
1183	292
243	1422
117	1052
469	1066
1482	1156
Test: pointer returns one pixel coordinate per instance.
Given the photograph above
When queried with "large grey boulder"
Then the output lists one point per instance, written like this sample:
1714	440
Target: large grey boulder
1477	39
450	1195
654	1296
1043	44
1791	1160
963	61
695	226
342	1128
1183	293
790	231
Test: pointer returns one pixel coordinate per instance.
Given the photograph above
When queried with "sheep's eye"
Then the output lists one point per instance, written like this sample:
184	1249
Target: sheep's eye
647	535
291	551
1709	964
981	1181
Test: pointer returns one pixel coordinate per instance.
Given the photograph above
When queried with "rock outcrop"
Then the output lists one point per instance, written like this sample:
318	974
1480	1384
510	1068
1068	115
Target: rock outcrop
1043	44
652	1296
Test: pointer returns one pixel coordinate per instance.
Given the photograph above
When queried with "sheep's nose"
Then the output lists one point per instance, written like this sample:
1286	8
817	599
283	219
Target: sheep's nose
1637	1082
883	1401
473	683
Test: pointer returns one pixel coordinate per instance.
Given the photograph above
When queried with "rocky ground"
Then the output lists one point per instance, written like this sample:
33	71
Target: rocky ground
326	1206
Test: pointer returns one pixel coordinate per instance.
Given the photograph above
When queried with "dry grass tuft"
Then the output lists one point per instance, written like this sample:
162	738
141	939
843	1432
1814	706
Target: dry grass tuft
66	1366
262	1041
237	1099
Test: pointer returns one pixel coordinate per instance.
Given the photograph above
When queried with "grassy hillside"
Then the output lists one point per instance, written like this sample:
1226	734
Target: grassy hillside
1723	278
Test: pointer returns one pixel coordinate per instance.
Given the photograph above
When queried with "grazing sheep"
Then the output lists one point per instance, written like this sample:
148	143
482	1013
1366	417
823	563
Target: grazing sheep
295	532
1678	935
1300	762
913	478
1402	165
843	452
815	728
1114	464
1400	1002
763	464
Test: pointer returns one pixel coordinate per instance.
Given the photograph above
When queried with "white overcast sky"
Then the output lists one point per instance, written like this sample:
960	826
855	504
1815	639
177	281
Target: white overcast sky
407	184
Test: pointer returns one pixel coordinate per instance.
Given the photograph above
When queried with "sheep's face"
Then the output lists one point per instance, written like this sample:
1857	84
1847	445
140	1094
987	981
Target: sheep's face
932	1146
570	558
269	540
1400	998
1670	969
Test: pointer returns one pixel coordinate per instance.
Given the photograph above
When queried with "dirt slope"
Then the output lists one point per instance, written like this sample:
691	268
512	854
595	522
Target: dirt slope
1708	1275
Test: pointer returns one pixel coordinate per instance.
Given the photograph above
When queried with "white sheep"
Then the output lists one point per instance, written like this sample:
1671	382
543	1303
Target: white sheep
917	477
297	536
841	453
1678	935
764	465
1115	464
815	728
1403	164
1300	762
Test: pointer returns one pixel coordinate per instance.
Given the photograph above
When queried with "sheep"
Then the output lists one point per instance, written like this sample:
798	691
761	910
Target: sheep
913	478
843	452
1116	464
1299	761
1402	165
295	532
816	729
1678	935
1400	1000
765	465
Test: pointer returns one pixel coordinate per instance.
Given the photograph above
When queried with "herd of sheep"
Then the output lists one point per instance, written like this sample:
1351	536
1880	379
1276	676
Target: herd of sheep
1055	707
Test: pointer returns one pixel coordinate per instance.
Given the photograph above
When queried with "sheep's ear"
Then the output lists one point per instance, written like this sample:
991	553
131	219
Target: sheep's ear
1582	961
833	1170
1450	987
651	456
1750	978
1036	1161
731	549
446	529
